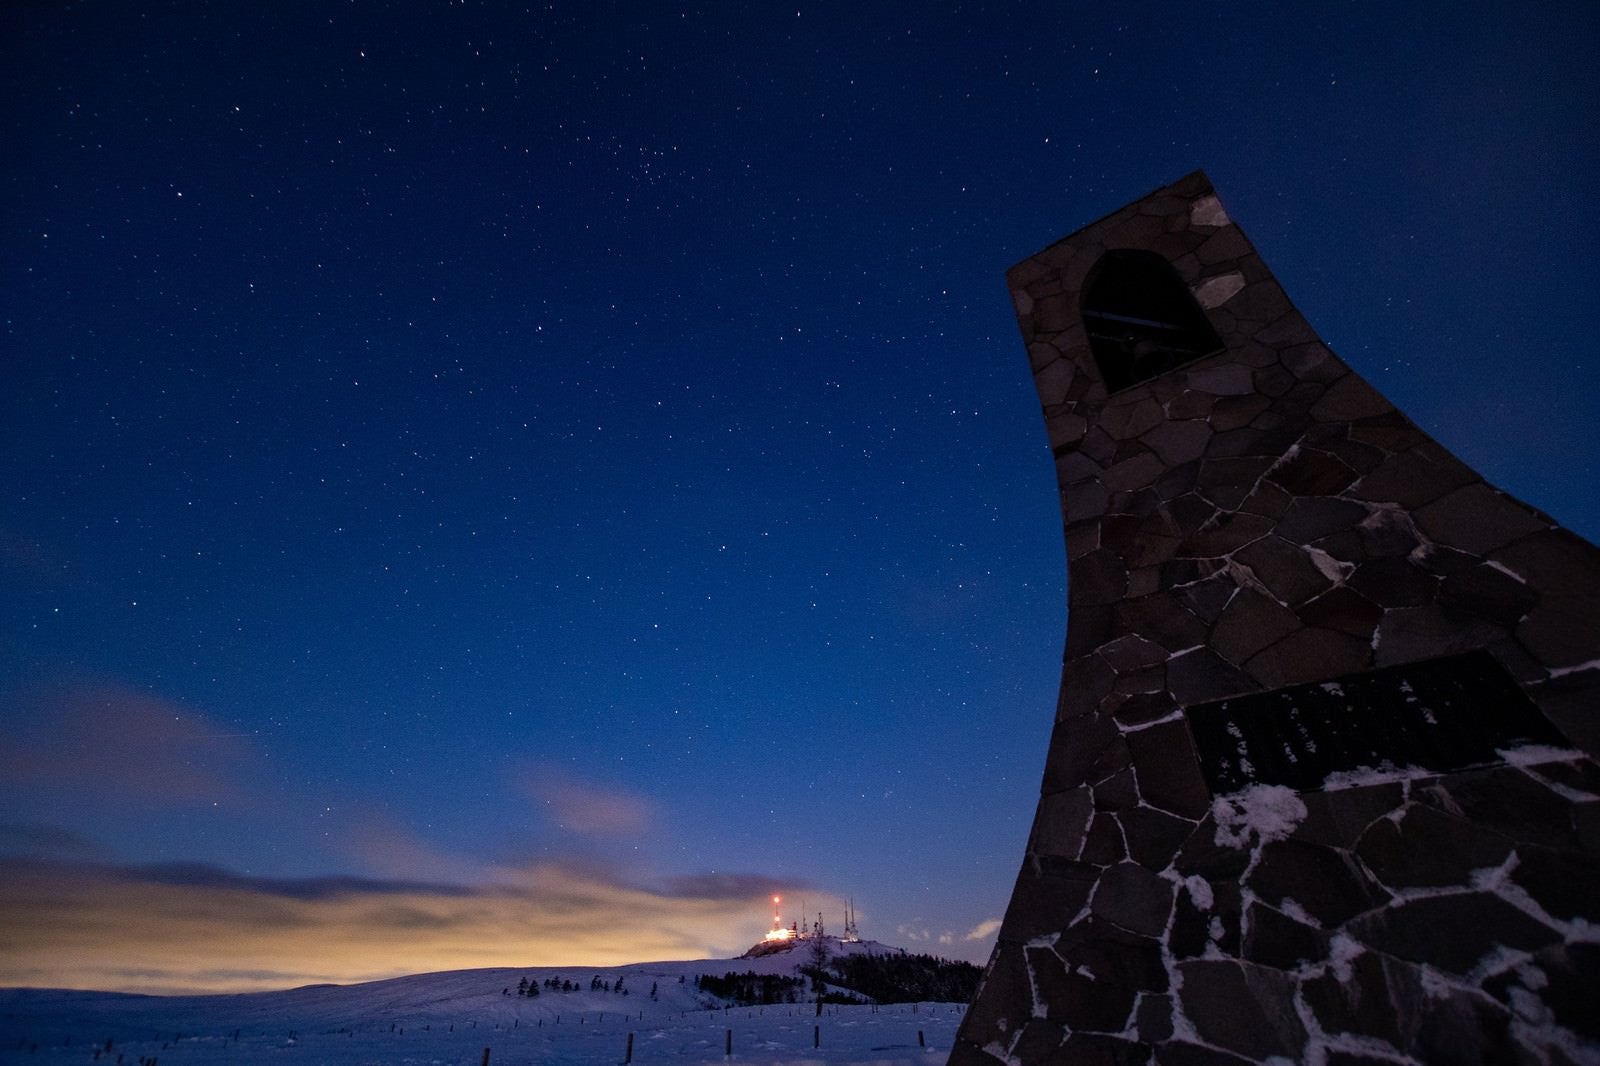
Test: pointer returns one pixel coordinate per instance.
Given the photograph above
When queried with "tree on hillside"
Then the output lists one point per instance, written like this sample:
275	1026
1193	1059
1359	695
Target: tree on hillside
818	953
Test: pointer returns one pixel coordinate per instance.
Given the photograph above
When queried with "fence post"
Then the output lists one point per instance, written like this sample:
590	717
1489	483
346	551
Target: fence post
627	1058
727	1045
816	1036
485	1057
920	1042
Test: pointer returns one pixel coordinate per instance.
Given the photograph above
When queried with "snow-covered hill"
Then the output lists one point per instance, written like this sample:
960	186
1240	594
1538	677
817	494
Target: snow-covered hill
451	1017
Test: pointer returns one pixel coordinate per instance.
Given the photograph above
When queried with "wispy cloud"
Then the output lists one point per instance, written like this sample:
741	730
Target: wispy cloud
89	737
384	847
46	842
984	929
587	808
192	928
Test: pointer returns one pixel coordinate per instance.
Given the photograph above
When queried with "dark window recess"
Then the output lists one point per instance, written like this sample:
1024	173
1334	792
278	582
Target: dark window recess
1141	318
1438	715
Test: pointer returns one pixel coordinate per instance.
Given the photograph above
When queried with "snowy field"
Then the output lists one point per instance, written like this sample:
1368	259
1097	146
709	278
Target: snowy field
450	1018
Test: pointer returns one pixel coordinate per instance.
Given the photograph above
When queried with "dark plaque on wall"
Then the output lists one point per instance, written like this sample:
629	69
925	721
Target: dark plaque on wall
1440	715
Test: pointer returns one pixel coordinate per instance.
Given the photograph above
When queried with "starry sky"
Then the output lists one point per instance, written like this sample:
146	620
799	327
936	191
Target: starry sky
490	484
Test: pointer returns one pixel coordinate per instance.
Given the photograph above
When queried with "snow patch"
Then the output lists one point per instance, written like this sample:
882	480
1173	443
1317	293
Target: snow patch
1342	951
1207	211
1268	812
1214	292
1384	773
1563	671
1534	754
1298	913
1333	569
1506	570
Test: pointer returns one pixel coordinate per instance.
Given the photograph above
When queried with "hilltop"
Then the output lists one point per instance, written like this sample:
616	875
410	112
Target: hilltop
451	1017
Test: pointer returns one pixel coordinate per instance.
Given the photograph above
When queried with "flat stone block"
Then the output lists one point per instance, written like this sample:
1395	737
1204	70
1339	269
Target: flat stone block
1040	1041
1048	895
1348	399
1075	749
1104	845
1132	898
1324	883
1126	420
1207	599
1250	623
1566	884
1179	442
1200	676
1344	610
1116	792
1225	535
1134	473
1452	932
1507	801
1410	633
1310	655
1161	619
1274	939
1223	379
1310	519
1388	532
1168	769
1313	473
1554	559
1099	577
1062	822
1488	592
1429	848
1338	819
1476	519
1153	1018
1379	1000
1268	501
1394	582
1413	478
1226	482
1153	836
1286	569
1190	404
1562	631
1249	1012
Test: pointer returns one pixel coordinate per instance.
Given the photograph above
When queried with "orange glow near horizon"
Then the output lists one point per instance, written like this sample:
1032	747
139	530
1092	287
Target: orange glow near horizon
123	930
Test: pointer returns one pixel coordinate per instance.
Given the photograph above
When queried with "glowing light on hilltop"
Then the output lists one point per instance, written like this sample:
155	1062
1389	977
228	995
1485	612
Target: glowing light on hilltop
778	932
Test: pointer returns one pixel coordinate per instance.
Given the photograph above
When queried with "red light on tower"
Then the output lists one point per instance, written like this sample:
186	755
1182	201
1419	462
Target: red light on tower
778	932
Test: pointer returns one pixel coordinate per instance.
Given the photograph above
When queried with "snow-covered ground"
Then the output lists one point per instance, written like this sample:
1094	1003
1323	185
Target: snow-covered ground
450	1018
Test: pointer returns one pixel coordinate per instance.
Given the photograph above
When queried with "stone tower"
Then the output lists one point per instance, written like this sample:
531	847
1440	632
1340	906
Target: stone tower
1321	785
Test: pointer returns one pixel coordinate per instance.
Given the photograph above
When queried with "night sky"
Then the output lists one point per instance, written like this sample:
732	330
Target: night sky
490	485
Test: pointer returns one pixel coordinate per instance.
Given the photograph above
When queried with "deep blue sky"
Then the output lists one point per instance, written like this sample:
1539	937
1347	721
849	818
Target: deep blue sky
453	445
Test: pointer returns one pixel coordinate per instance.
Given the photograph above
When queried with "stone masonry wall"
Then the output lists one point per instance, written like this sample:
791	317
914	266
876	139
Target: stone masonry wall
1257	520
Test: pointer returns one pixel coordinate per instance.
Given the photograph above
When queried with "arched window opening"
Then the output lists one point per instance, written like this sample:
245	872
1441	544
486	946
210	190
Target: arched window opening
1141	318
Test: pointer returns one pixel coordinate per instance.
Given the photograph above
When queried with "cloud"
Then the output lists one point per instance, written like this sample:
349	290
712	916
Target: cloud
984	929
112	741
46	841
180	928
382	846
586	808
